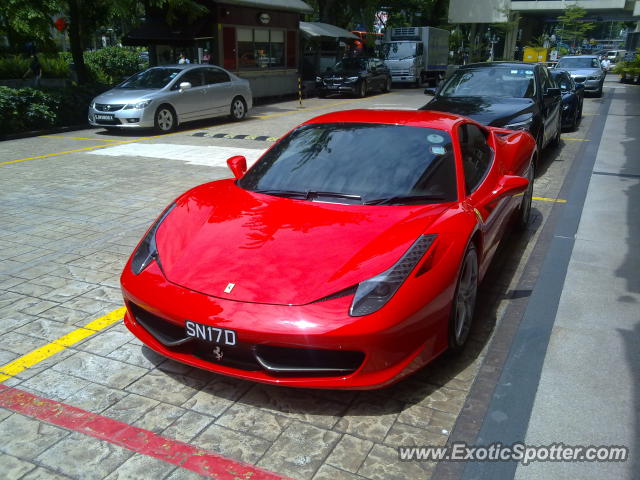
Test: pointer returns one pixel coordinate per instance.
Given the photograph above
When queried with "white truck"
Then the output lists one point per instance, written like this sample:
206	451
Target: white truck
416	55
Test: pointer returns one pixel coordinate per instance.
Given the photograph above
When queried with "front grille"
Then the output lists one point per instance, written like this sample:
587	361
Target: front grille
276	361
579	79
108	107
399	73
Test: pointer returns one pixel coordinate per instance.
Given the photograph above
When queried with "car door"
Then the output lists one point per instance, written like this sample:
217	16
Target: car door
549	105
479	181
219	90
189	103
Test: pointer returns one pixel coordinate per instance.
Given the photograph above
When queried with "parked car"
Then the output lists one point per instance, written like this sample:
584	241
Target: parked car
572	98
348	256
163	97
357	76
585	70
514	95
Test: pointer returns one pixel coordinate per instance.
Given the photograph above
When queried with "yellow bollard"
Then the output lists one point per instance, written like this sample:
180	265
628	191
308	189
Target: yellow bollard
300	91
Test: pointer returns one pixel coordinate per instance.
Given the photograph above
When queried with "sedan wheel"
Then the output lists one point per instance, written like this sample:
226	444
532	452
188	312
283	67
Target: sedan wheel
238	109
465	301
362	90
525	206
387	85
165	119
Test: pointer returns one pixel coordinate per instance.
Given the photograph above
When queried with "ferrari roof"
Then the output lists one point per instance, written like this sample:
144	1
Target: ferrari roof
416	118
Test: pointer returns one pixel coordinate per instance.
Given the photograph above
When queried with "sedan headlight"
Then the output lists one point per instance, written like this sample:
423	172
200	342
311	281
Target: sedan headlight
137	106
318	79
373	294
523	122
147	250
351	79
565	106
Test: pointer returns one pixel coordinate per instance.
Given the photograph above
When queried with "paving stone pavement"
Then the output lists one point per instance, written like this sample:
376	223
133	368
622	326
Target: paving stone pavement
69	223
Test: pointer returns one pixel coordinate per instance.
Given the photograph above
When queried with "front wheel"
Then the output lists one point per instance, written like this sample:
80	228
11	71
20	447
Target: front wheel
362	89
524	215
464	301
165	119
387	86
238	109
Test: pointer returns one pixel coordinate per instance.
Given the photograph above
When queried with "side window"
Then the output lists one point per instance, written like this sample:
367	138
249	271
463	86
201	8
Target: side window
194	77
547	82
215	75
476	155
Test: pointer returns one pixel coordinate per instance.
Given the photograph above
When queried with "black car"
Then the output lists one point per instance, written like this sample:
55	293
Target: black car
572	98
514	95
358	76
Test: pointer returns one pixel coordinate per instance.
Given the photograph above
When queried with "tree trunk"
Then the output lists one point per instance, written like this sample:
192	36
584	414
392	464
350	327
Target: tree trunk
75	40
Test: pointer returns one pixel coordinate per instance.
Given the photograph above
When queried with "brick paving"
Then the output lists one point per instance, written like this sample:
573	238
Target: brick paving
69	223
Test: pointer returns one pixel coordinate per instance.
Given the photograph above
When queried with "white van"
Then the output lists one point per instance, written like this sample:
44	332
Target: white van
615	55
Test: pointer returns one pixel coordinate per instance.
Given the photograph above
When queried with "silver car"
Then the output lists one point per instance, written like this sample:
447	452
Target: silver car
163	97
585	70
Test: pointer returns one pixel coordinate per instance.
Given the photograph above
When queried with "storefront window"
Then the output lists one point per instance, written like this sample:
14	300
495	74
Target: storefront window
260	48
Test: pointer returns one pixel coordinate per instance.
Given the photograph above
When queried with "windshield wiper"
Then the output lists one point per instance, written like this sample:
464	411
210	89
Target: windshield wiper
349	196
283	193
401	199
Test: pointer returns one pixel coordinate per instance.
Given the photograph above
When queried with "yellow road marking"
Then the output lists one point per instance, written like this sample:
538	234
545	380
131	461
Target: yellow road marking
576	139
28	360
53	154
590	114
545	199
81	138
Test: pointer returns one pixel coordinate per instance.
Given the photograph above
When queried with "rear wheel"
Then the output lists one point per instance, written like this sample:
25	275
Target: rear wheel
238	109
165	118
387	85
362	89
464	301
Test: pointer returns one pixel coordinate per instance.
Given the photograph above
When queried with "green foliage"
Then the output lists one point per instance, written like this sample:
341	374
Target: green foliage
572	28
110	65
27	109
15	66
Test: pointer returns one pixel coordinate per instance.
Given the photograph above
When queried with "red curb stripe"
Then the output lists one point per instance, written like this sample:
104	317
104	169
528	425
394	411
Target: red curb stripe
139	440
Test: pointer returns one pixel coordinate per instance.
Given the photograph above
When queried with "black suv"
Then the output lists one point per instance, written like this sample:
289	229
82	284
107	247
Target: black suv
514	95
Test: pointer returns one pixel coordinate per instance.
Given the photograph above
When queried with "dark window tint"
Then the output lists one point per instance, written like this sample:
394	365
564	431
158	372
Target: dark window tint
194	77
215	75
371	161
476	155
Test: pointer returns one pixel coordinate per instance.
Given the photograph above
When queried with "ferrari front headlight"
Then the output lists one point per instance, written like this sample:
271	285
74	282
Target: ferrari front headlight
371	295
147	251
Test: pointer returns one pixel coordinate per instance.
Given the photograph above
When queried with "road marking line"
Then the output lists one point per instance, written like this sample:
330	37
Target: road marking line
136	439
576	139
545	199
80	138
28	360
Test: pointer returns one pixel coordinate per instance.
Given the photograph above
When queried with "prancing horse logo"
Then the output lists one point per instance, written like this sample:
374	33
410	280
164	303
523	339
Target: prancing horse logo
218	353
229	287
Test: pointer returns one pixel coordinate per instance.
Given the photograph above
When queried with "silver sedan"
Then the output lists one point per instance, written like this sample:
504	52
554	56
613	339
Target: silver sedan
163	97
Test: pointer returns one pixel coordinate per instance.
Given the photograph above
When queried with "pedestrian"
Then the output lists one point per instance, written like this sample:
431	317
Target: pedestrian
183	59
605	64
35	69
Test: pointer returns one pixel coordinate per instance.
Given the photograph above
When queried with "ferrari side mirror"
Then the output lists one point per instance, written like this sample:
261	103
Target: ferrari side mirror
510	185
237	165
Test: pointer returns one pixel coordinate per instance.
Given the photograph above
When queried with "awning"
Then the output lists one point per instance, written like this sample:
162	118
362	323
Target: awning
318	29
155	31
287	5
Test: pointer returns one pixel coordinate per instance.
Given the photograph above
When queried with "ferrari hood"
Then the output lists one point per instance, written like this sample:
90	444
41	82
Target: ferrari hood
226	242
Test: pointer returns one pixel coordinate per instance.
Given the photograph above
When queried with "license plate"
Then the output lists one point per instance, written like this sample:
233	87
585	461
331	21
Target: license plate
221	336
104	117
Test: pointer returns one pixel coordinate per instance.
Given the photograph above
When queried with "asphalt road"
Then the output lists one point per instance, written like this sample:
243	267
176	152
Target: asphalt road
73	207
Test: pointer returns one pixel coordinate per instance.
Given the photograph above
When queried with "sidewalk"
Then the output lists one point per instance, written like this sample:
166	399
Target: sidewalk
589	391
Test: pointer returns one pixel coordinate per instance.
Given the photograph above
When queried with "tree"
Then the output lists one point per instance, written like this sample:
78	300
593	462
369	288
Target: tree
572	26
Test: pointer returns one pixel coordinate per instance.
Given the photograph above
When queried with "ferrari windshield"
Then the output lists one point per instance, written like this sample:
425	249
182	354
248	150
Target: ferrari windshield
358	163
154	78
578	62
500	81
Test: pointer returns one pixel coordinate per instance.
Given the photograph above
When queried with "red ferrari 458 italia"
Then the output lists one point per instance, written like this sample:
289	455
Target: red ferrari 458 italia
348	256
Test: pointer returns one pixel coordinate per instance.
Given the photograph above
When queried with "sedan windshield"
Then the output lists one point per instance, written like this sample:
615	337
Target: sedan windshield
154	78
350	65
358	163
510	82
578	63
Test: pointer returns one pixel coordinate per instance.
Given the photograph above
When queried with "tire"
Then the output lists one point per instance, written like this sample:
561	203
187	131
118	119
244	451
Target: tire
464	300
556	139
576	119
322	94
524	213
165	119
580	111
238	109
362	89
387	85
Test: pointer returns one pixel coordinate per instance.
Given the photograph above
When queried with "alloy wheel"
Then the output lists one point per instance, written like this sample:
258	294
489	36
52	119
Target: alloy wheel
466	297
238	110
164	119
